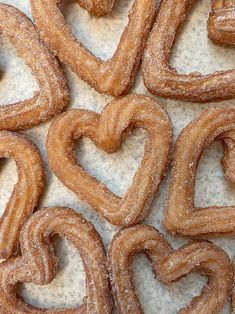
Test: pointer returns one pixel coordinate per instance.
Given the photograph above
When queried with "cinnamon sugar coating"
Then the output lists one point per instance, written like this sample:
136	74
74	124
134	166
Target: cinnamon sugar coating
38	263
114	76
162	79
27	191
182	216
107	131
53	93
169	266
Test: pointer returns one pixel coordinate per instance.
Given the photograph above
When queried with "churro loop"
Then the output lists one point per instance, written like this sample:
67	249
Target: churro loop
168	266
52	96
114	76
181	215
38	263
162	79
27	191
107	132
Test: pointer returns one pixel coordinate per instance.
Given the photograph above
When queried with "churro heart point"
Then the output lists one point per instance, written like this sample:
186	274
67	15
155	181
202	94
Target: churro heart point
114	76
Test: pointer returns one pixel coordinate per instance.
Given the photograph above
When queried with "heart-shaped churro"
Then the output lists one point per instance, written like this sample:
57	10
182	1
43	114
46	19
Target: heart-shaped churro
38	263
27	191
168	266
53	94
114	76
163	80
107	131
181	215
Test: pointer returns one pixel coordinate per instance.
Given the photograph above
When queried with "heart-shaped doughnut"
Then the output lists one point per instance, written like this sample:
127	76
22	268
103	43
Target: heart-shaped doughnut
38	263
107	132
27	191
114	76
163	80
53	95
168	266
181	215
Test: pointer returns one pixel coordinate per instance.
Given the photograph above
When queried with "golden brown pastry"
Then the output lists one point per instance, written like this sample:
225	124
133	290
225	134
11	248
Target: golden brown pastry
107	131
114	76
169	266
162	79
38	264
27	190
181	214
53	93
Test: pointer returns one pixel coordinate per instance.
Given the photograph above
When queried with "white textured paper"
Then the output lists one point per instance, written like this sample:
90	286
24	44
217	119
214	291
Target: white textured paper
193	52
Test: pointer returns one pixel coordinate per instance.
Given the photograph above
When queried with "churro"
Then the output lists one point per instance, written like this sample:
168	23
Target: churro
114	76
169	266
38	263
181	214
162	79
107	131
27	191
53	93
